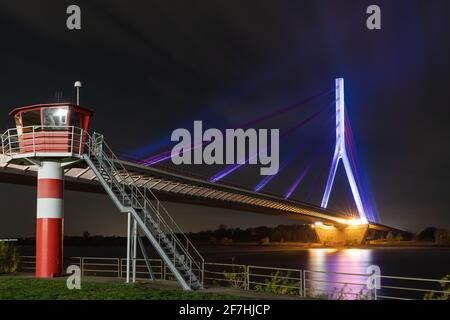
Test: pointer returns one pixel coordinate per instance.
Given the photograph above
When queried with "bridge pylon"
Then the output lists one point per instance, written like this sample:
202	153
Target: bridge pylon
340	153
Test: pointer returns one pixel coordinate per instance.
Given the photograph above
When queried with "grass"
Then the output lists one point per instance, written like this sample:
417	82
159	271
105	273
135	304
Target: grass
14	288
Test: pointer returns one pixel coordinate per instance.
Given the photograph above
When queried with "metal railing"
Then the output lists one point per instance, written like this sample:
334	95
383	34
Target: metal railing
33	140
408	288
337	285
146	198
157	265
27	263
70	141
275	280
282	281
258	278
224	274
101	267
168	234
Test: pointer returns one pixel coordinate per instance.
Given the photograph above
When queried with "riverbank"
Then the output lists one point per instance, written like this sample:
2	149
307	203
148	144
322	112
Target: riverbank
26	287
21	287
307	246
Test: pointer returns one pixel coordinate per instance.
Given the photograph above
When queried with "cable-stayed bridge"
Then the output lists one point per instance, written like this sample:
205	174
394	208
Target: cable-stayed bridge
344	152
180	188
51	142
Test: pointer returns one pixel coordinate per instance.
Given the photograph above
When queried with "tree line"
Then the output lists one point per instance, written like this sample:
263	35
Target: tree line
281	233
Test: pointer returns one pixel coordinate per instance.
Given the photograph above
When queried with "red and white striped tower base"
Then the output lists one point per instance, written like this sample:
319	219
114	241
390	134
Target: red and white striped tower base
49	222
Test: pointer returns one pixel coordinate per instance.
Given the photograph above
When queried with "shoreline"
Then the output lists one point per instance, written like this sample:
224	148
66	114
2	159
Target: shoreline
306	246
274	247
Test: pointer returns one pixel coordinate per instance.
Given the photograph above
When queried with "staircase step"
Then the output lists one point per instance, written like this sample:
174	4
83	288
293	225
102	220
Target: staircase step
110	175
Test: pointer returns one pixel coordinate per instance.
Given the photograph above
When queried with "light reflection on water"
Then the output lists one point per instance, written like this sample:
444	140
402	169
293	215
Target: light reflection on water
345	272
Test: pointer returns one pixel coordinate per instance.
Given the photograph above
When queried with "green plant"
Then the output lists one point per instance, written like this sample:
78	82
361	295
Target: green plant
445	287
278	284
345	293
9	258
235	278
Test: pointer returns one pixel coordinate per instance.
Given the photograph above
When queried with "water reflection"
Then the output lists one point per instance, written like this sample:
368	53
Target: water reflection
338	272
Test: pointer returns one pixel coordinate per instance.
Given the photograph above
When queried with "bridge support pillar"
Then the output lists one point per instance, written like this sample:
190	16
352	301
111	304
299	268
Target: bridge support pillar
346	235
49	220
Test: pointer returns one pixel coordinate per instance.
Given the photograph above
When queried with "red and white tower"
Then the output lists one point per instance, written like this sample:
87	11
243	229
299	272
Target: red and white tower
50	137
49	220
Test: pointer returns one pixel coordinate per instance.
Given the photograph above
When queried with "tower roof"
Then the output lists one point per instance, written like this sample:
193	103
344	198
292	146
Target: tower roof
59	104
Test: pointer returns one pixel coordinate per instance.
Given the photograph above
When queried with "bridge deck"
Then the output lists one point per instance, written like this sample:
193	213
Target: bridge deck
175	187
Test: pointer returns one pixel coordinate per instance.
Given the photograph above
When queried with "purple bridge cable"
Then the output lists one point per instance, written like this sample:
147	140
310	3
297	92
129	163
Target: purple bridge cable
232	168
285	163
165	155
316	155
350	144
283	110
365	192
320	175
297	181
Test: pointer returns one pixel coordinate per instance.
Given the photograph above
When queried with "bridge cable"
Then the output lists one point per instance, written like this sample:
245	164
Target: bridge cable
167	154
232	168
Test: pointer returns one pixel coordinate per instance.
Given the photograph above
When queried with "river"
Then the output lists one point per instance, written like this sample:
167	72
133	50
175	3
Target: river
417	262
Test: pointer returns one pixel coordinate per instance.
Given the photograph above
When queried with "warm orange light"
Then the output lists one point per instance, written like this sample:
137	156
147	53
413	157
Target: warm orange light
355	222
322	225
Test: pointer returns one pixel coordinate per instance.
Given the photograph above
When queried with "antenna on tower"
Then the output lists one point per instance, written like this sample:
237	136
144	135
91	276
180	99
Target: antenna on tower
58	96
78	85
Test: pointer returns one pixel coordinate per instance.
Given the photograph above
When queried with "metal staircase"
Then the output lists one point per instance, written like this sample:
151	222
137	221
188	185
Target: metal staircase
181	257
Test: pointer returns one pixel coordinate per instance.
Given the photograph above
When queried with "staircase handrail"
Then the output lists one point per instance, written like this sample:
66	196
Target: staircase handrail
113	161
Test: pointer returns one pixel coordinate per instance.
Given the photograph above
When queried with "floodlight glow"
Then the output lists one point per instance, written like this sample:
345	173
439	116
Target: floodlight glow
321	225
340	153
355	222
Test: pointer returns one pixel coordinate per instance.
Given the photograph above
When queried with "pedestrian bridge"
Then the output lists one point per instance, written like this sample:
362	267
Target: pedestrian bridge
181	188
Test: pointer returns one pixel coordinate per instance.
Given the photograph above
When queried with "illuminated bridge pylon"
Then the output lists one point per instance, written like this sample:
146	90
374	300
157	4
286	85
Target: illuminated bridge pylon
340	153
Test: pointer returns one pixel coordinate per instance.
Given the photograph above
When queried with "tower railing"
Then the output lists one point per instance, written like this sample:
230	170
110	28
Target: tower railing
34	140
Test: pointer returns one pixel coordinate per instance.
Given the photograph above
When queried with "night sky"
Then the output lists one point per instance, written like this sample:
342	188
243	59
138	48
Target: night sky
149	67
